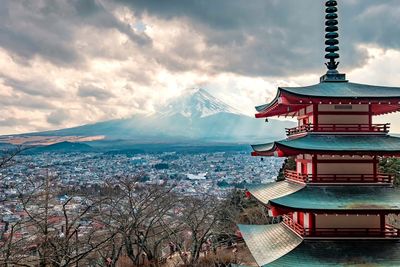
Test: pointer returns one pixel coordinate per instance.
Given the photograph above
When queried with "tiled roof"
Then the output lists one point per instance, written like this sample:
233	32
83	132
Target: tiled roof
267	192
342	198
334	143
337	90
342	253
345	90
268	243
276	246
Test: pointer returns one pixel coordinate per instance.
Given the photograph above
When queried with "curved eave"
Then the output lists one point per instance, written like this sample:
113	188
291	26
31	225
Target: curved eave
342	199
331	144
268	243
347	90
267	192
313	253
290	100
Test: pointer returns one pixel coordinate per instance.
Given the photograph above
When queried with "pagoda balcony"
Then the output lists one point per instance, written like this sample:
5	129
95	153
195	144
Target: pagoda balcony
379	178
389	231
339	128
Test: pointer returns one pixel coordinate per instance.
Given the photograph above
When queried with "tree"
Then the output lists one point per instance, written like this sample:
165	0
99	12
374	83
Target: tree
288	164
58	235
8	155
391	166
137	215
199	217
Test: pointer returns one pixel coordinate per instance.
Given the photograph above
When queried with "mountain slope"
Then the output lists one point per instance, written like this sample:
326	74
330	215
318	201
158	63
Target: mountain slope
196	103
195	115
65	147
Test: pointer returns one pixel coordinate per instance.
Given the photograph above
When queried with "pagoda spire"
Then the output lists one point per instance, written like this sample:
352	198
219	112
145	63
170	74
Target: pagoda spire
332	43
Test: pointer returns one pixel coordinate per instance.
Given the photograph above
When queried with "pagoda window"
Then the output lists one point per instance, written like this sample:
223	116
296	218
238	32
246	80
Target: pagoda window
356	221
343	108
309	109
345	168
344	119
349	114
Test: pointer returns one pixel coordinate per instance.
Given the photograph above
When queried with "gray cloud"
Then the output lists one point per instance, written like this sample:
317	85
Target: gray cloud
24	101
94	91
255	38
49	48
57	117
10	122
287	36
34	87
47	28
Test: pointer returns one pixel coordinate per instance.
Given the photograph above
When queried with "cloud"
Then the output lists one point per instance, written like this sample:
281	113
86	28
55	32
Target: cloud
71	62
33	87
48	28
95	92
57	117
256	38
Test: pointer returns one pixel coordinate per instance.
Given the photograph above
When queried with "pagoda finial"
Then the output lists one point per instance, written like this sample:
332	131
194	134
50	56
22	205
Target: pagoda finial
332	43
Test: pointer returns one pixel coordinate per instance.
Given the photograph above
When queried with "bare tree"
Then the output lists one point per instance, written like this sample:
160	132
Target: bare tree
200	216
59	236
137	214
7	156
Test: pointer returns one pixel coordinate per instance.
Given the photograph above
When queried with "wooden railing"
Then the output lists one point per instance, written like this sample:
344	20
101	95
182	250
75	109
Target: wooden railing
297	177
339	178
388	231
332	128
298	228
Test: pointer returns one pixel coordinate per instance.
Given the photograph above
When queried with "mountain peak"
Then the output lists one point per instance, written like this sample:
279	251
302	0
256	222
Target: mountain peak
196	103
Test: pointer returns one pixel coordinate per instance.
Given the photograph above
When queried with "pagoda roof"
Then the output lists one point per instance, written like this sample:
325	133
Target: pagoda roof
276	245
268	243
342	253
328	198
290	99
338	199
331	144
265	192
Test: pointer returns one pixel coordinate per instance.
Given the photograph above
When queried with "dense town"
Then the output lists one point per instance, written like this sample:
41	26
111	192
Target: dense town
188	174
192	174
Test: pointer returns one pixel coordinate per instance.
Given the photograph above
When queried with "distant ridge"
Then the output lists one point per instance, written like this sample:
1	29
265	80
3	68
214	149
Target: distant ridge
64	147
194	116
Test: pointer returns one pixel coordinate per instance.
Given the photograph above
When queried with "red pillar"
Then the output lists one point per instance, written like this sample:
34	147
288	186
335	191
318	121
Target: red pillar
314	168
375	162
311	220
382	223
315	116
370	116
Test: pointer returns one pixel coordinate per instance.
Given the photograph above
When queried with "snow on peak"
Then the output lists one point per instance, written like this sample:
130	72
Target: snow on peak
196	103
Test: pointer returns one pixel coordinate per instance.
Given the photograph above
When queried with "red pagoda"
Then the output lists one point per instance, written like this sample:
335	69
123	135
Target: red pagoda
336	206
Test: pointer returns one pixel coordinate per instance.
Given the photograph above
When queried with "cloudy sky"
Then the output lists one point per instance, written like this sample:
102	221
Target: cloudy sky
71	62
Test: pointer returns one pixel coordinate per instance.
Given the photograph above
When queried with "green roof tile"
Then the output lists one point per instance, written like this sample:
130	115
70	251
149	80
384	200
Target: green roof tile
268	243
342	253
342	198
344	90
336	143
337	90
266	192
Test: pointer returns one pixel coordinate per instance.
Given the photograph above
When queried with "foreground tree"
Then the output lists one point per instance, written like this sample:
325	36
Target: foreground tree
8	155
137	215
60	234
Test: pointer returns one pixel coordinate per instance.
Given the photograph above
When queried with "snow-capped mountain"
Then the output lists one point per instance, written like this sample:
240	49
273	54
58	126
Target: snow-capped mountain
196	103
195	115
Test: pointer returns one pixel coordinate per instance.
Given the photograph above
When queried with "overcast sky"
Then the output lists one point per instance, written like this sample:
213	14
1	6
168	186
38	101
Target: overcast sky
71	62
